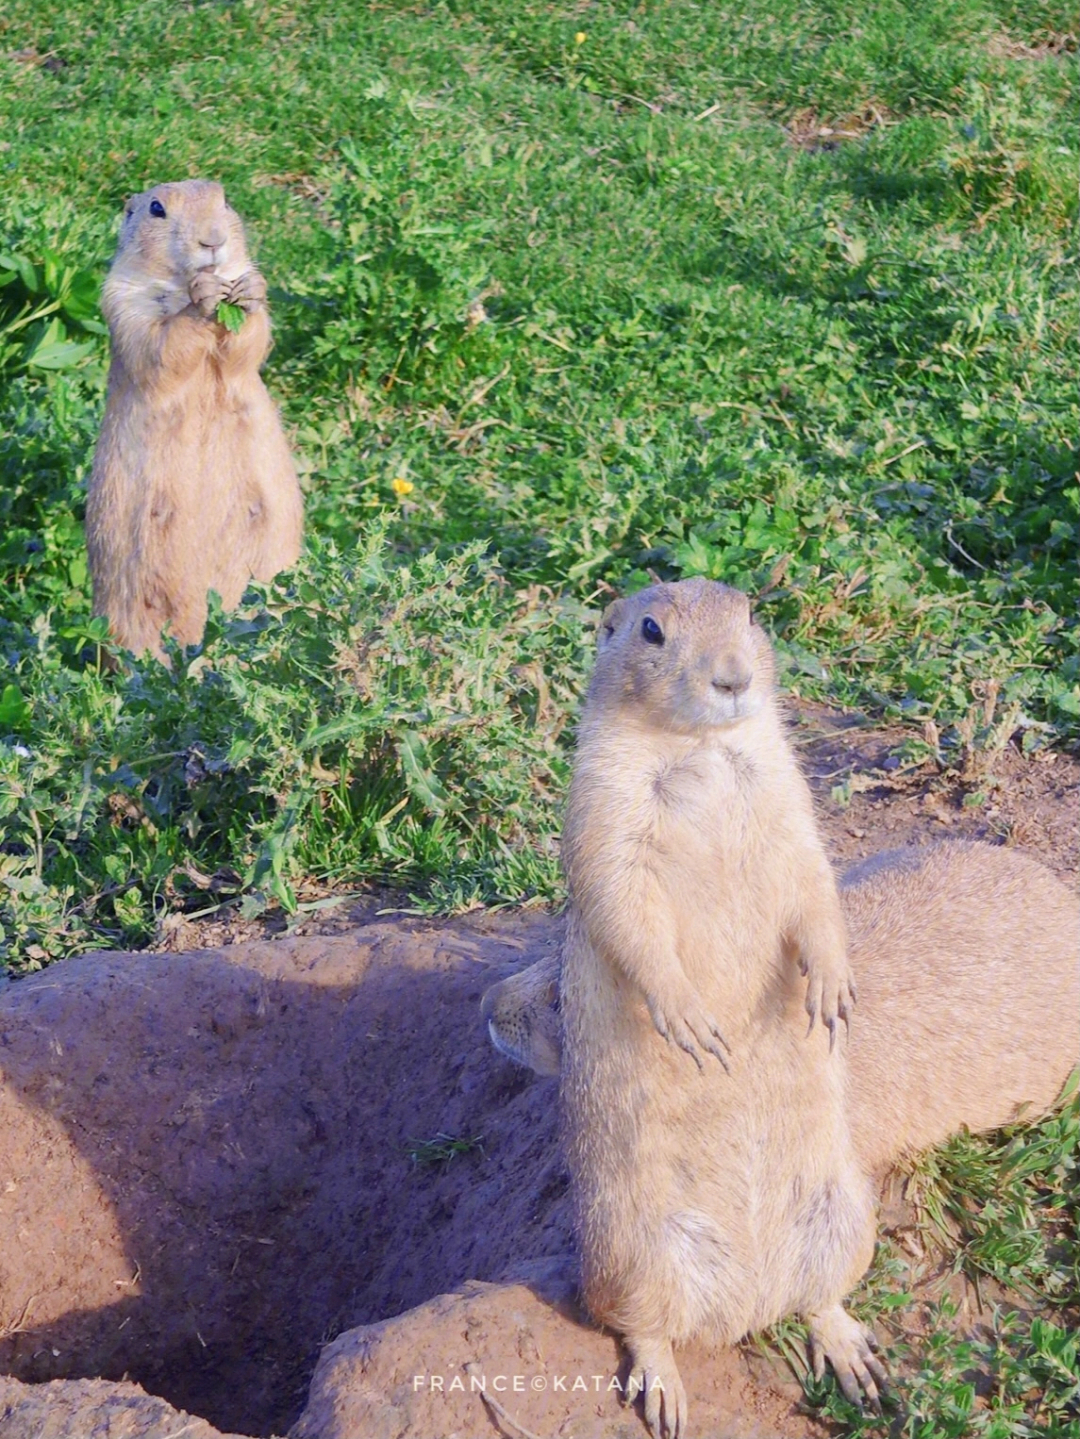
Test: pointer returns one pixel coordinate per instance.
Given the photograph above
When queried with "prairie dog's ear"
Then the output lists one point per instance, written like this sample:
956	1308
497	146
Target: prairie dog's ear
609	623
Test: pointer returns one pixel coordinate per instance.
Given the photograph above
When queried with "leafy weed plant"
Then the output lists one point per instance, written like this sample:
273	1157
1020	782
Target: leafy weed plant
443	1149
368	720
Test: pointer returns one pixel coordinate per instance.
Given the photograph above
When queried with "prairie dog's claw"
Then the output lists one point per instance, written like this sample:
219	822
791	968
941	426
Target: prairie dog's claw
248	290
829	998
690	1030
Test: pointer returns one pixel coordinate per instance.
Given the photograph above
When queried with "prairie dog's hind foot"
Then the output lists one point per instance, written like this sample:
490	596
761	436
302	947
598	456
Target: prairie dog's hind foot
654	1375
849	1347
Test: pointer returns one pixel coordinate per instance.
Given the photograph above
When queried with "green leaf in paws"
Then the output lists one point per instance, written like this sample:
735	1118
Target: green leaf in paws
231	316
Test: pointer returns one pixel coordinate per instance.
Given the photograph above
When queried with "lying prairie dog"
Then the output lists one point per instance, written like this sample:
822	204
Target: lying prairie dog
981	933
193	487
682	1221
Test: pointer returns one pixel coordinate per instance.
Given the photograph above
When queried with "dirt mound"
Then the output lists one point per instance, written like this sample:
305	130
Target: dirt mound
215	1162
517	1359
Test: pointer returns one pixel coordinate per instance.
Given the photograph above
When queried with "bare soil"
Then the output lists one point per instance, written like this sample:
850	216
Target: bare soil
217	1163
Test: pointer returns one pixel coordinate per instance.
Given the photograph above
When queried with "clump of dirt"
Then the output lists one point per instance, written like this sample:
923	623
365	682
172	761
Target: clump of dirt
94	1409
870	795
217	1162
1045	44
808	130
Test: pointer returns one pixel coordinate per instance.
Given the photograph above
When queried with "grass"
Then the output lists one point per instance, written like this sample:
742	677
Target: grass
596	292
565	298
442	1149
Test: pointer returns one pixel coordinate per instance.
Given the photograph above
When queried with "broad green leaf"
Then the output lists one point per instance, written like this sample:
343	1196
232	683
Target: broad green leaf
54	351
421	780
14	711
231	316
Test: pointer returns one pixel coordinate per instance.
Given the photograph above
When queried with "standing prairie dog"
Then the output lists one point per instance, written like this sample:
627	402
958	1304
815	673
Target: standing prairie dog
716	1184
193	487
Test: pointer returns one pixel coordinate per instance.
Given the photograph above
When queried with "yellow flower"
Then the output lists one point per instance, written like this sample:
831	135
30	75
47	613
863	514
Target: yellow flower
579	38
401	486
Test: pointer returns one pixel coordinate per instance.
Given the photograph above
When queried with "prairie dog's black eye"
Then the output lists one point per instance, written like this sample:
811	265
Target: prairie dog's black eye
157	209
651	632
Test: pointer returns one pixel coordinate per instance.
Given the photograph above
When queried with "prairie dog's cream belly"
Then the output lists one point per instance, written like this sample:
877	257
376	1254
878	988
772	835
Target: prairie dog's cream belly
739	1186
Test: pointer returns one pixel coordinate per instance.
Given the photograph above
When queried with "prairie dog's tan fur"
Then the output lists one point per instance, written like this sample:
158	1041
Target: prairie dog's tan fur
967	961
193	487
708	1202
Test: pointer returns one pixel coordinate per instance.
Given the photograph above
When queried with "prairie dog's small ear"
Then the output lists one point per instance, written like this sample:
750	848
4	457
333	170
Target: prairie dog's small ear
609	623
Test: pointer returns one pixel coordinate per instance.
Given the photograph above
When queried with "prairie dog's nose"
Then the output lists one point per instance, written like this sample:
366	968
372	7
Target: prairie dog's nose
732	674
213	237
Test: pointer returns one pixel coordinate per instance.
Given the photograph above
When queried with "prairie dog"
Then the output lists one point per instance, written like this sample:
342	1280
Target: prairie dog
967	961
193	487
967	958
522	1016
716	1184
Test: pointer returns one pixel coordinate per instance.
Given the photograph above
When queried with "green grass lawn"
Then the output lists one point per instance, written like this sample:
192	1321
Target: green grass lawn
783	294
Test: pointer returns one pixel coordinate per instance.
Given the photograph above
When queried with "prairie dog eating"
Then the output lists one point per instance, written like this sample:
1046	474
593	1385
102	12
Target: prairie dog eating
193	488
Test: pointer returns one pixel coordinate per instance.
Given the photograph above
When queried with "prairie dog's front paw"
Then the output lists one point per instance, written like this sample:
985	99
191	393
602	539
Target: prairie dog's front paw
207	290
685	1023
830	995
248	290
